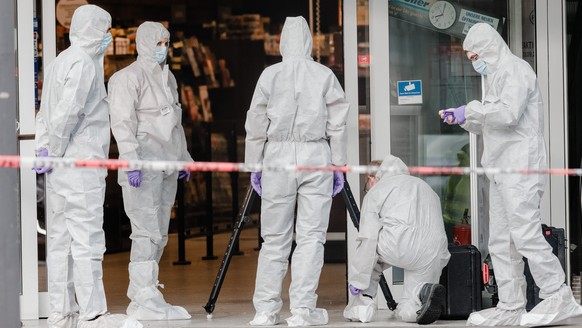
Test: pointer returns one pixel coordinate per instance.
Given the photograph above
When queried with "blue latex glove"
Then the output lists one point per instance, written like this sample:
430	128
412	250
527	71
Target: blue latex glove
454	116
353	290
134	178
42	169
338	182
184	174
256	182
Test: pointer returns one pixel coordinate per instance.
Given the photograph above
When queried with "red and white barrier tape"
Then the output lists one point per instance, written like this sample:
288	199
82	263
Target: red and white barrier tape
115	164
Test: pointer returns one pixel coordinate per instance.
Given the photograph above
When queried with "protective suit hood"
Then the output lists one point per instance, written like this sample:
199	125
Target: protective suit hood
89	25
486	42
296	41
391	166
147	37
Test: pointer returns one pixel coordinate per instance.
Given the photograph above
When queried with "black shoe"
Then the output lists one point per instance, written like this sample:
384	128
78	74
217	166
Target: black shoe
432	297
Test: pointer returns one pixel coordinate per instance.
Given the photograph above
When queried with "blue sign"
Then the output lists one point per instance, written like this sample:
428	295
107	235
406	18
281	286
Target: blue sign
410	92
409	88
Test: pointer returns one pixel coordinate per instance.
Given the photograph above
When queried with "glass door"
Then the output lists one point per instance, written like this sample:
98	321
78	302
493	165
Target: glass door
429	71
411	65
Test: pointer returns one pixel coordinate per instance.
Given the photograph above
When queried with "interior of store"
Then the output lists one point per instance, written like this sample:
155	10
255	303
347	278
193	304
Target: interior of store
218	51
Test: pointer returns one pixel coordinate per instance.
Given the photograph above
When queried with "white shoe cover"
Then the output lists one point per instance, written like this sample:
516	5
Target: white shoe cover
495	317
307	317
164	312
69	321
360	308
150	305
557	307
265	319
111	321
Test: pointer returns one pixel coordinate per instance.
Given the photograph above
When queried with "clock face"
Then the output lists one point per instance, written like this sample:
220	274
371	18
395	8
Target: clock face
442	15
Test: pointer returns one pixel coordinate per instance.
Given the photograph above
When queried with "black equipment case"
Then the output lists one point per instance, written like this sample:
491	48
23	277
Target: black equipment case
463	281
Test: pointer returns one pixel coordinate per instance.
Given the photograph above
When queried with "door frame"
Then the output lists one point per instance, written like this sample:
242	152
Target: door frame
29	298
551	64
34	304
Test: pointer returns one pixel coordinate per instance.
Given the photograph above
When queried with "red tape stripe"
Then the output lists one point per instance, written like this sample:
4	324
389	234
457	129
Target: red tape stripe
11	161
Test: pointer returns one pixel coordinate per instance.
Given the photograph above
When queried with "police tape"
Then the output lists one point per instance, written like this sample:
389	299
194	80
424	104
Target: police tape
116	164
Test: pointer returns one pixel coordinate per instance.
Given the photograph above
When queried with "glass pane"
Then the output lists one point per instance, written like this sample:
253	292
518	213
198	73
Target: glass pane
428	72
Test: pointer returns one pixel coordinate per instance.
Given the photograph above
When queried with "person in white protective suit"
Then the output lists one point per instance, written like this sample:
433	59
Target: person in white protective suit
510	119
146	121
297	117
401	225
73	122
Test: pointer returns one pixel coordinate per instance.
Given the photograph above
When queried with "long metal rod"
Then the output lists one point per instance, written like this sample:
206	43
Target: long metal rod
209	222
243	218
180	224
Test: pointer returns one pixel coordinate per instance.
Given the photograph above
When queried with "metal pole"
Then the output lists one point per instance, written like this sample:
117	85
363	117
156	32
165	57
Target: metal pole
243	217
232	154
311	16
209	207
180	224
9	231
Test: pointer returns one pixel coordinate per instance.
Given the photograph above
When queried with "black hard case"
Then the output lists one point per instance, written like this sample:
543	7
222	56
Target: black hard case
463	281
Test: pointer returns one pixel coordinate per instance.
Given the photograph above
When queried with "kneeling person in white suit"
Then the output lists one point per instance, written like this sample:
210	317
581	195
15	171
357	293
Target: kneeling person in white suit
401	225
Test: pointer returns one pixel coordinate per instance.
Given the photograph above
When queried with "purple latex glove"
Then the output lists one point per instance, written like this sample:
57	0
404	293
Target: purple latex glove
256	182
42	169
457	114
338	182
184	174
353	290
134	178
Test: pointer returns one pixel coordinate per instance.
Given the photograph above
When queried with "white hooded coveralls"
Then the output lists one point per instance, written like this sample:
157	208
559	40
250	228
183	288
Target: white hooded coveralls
73	122
401	225
510	118
146	121
297	117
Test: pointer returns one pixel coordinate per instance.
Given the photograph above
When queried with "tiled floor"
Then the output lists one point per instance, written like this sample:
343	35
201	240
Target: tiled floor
190	286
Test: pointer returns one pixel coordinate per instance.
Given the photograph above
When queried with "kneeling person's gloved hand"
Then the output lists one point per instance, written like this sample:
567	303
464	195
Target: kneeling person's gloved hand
134	177
42	169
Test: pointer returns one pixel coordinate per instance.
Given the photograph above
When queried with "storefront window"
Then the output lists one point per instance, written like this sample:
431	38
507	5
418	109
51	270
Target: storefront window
429	71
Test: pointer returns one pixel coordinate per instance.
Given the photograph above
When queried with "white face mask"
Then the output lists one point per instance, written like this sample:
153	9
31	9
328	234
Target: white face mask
480	66
161	53
105	43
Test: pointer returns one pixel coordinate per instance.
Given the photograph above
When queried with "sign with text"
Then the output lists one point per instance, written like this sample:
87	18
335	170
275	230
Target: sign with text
442	16
409	92
471	18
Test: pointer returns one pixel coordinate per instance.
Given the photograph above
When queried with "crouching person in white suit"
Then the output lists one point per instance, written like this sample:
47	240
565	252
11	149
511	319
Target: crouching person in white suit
401	225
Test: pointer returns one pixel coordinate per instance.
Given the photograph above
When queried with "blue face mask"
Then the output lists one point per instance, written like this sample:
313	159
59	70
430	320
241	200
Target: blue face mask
161	53
105	43
480	66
